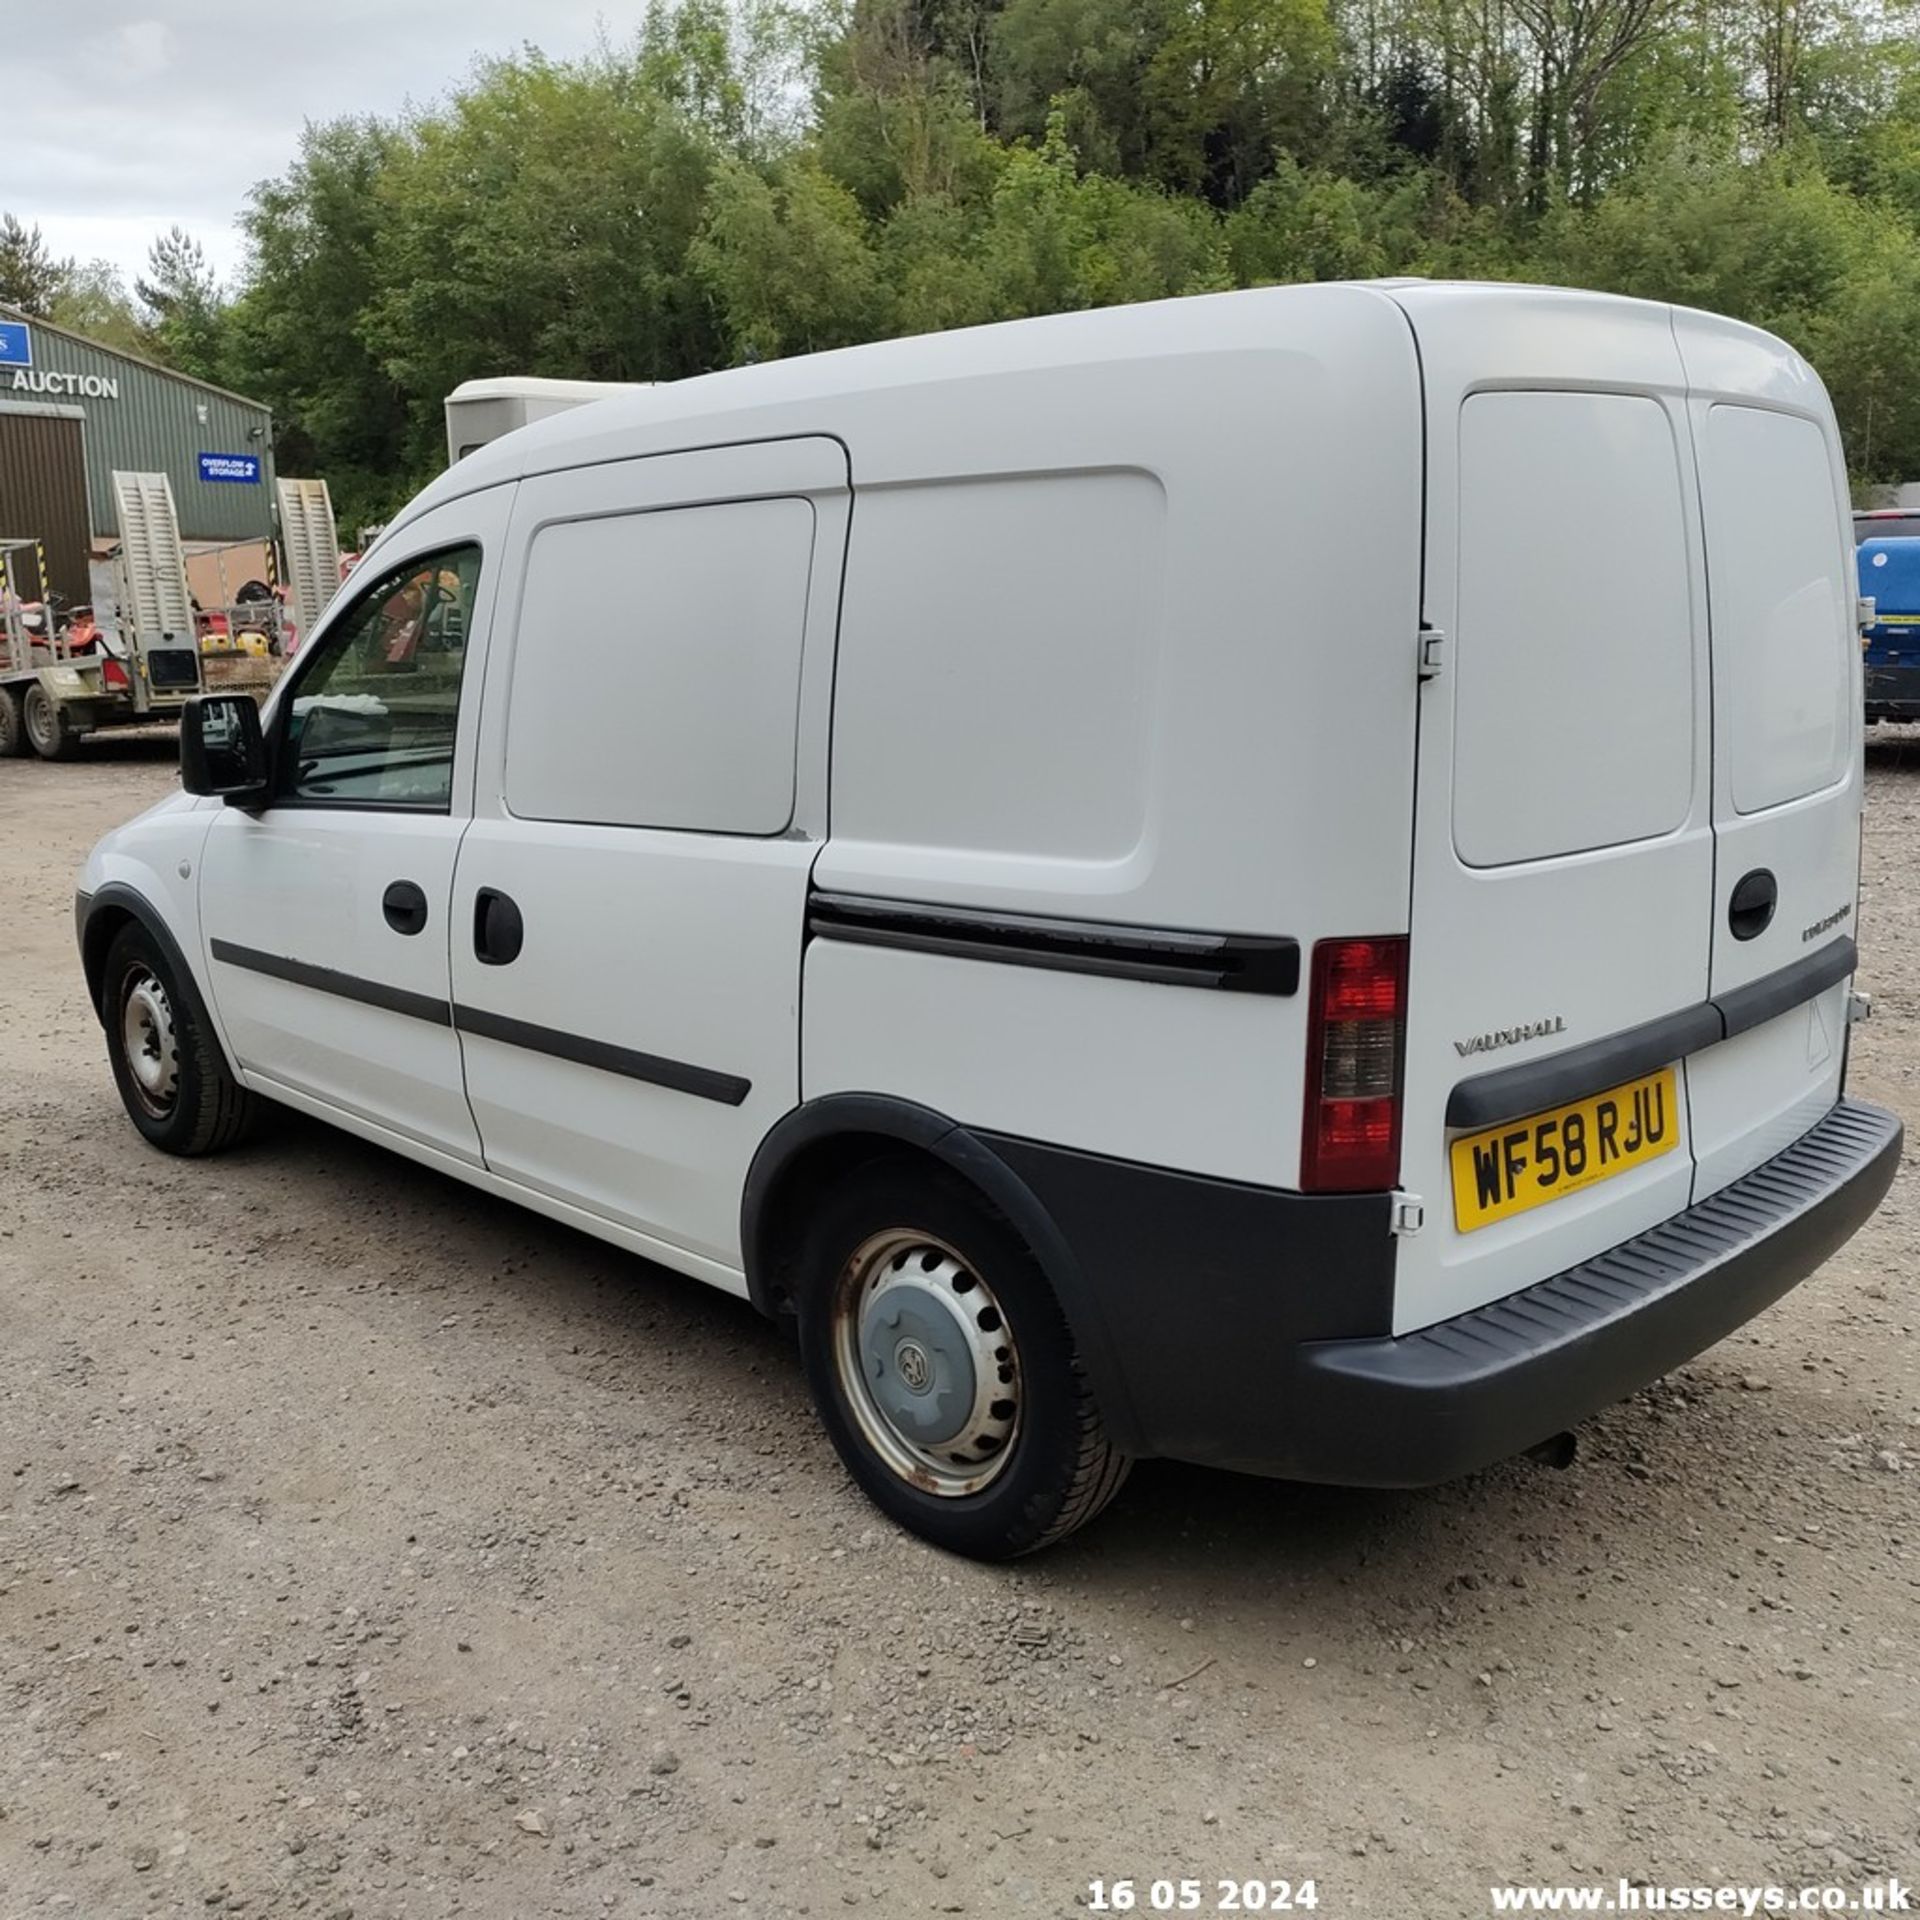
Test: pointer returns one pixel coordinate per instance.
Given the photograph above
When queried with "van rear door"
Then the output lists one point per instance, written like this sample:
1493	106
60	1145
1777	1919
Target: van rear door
1563	831
1787	782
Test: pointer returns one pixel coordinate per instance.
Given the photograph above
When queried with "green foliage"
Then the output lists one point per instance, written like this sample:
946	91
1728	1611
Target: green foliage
183	308
753	178
31	279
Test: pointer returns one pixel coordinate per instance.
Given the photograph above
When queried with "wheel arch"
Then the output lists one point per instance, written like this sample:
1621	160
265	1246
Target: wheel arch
829	1138
101	915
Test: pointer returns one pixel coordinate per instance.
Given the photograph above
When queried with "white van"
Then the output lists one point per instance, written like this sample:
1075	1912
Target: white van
1266	879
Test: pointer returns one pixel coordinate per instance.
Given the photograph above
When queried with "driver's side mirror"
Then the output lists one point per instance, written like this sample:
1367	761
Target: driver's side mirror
223	750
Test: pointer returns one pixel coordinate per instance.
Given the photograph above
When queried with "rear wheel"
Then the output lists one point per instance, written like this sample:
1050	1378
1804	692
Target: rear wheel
47	730
13	726
944	1370
173	1079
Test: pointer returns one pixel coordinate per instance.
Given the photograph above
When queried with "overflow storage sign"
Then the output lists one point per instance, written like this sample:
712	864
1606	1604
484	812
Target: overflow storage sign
237	469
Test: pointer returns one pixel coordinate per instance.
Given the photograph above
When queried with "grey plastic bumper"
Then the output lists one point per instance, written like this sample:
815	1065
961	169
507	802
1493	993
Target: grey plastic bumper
1441	1402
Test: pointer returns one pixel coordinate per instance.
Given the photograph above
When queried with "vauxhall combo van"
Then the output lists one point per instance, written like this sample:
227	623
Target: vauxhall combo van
1266	879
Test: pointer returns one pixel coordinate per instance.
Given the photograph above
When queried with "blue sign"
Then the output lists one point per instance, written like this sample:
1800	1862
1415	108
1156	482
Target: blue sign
238	469
16	344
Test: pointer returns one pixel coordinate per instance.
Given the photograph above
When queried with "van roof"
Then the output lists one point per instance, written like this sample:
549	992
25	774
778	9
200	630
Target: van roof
814	393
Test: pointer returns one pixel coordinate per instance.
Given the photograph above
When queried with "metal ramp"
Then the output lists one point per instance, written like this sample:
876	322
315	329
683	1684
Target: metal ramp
312	547
155	607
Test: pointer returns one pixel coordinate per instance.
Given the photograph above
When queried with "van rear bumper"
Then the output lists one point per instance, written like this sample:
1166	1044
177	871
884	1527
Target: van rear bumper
1201	1345
1469	1391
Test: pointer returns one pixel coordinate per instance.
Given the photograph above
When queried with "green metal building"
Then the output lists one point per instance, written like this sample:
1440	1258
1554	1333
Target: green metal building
215	447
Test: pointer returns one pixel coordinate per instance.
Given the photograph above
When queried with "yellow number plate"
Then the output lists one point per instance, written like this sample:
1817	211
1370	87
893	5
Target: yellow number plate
1528	1162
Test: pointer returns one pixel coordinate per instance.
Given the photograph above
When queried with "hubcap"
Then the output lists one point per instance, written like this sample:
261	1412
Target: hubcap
927	1362
152	1046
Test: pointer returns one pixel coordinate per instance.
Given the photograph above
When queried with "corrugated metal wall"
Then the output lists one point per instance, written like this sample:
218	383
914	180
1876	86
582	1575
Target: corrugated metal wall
43	495
154	426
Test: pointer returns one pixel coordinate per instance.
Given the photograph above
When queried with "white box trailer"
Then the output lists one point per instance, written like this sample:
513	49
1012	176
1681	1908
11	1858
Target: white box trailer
479	411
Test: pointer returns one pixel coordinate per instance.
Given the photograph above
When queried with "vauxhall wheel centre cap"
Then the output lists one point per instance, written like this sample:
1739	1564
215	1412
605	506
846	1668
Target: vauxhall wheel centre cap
915	1355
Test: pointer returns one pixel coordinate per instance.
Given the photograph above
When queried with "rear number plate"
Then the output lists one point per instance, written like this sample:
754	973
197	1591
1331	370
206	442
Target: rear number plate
1528	1162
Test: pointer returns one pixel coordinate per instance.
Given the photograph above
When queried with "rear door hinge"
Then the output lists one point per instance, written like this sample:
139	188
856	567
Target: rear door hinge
1408	1217
1433	653
1866	613
1859	1007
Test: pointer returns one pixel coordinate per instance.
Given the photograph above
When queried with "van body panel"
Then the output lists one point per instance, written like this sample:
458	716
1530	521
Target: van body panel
306	884
1242	511
633	1054
1062	1057
1789	783
1563	939
1595	464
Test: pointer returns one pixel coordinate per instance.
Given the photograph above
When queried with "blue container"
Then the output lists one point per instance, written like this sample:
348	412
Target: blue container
1890	578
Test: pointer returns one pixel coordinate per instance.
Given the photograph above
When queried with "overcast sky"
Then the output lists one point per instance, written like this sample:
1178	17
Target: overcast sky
122	117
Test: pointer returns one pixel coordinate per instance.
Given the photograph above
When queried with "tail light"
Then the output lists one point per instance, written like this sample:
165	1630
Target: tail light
113	674
1356	1027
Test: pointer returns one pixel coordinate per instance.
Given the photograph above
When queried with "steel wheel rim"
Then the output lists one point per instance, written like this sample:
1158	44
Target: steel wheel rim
43	722
912	1319
150	1042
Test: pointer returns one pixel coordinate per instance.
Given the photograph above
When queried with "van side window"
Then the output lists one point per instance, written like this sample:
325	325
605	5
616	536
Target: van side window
656	672
371	721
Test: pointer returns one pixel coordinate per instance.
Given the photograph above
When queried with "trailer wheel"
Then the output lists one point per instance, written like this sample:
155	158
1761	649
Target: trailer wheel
172	1076
46	726
13	726
943	1369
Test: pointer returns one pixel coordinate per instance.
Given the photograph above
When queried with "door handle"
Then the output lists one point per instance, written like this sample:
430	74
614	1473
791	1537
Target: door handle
498	931
1751	907
405	906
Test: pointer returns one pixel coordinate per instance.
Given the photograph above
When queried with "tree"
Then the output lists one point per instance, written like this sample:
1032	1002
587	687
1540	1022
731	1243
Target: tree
31	279
184	312
94	302
1579	46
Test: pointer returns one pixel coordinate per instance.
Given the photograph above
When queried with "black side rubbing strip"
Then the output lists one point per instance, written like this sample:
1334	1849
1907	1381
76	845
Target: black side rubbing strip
704	1083
1169	956
1513	1092
347	986
1755	1005
1489	1098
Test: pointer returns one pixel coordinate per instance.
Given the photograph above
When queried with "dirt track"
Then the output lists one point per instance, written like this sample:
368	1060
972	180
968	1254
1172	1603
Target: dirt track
370	1547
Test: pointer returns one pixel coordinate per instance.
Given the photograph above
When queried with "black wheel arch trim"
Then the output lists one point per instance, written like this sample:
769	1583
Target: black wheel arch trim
116	896
845	1115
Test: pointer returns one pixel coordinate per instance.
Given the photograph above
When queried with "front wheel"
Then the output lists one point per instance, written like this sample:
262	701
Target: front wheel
173	1079
944	1370
13	725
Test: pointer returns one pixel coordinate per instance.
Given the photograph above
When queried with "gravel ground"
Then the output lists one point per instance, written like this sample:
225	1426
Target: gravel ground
369	1547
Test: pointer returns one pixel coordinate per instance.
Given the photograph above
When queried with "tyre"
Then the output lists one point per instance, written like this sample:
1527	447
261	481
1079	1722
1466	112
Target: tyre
47	730
13	725
173	1079
944	1370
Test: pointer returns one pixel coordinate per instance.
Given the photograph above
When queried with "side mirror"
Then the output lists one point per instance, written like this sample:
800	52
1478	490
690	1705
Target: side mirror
222	748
